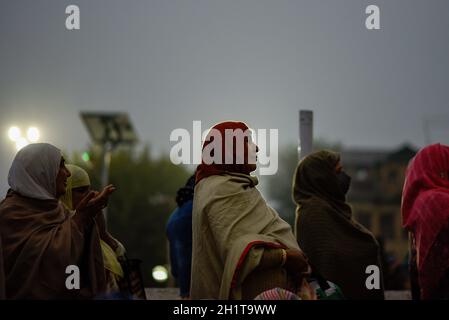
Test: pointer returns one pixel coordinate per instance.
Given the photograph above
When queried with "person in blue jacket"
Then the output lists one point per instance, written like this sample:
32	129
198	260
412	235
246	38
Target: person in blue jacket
179	234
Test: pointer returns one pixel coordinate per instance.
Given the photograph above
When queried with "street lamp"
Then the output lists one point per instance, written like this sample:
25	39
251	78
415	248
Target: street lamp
160	273
33	134
305	133
15	135
109	130
21	142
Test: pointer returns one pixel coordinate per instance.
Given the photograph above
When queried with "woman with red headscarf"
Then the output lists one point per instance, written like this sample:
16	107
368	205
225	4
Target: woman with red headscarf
241	247
425	214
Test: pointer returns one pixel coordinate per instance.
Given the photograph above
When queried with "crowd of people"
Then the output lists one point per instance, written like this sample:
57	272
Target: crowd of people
226	242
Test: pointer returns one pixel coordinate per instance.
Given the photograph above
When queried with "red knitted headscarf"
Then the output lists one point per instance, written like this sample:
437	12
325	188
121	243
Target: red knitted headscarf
231	160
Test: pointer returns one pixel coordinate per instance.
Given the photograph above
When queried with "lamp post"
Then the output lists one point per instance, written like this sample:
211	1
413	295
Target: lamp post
108	130
305	133
15	135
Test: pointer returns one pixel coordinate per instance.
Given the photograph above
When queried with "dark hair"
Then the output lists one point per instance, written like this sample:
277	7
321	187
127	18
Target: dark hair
185	193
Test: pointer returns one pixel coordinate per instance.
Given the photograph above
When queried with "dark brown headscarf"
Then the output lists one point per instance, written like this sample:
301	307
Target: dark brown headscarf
315	177
205	170
338	247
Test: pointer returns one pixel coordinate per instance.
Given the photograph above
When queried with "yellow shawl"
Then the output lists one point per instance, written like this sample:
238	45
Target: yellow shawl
80	178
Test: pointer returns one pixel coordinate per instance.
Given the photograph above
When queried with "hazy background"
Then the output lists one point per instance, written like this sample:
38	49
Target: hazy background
170	62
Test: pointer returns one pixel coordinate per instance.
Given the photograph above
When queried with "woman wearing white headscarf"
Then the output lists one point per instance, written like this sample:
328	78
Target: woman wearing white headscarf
40	239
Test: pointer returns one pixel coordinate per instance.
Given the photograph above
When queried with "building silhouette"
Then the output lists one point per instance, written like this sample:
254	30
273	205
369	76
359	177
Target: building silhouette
375	193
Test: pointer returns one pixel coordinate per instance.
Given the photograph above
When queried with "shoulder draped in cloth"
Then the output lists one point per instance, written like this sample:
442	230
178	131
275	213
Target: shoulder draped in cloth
337	246
425	213
232	224
39	238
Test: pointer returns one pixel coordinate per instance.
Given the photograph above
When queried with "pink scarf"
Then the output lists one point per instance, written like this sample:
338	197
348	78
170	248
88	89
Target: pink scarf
425	212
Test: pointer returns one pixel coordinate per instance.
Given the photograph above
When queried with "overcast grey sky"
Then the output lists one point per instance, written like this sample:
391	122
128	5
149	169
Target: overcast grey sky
169	62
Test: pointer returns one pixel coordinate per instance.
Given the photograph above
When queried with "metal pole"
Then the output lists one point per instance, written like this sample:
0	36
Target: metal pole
107	151
305	133
426	131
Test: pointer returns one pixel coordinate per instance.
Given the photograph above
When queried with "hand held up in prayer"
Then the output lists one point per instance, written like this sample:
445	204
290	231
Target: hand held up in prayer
91	205
101	198
83	216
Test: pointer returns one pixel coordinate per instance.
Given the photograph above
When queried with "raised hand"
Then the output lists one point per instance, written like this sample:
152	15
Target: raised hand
91	205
